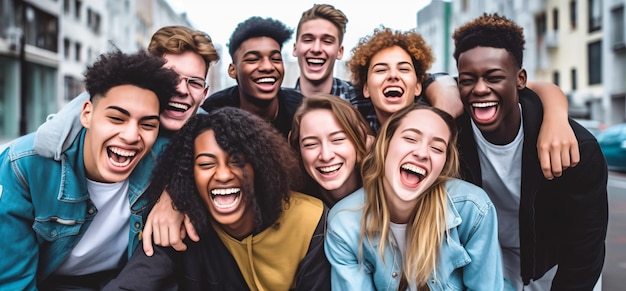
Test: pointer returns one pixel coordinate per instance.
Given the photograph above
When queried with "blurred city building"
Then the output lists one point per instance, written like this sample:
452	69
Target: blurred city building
46	45
576	44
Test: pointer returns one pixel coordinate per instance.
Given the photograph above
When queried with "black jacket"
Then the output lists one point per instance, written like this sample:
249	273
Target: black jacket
562	221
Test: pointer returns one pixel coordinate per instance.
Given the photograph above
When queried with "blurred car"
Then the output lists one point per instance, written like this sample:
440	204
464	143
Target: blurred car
591	125
612	141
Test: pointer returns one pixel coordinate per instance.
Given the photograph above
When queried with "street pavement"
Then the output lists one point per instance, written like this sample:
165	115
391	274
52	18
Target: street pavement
614	272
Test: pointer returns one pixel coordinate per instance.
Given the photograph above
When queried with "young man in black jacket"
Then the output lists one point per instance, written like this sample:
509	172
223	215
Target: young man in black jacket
552	232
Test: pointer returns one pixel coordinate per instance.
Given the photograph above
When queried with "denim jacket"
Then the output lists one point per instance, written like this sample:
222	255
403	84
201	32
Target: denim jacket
45	209
469	258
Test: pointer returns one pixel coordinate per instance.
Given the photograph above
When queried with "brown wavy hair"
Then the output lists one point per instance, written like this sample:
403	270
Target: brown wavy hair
179	39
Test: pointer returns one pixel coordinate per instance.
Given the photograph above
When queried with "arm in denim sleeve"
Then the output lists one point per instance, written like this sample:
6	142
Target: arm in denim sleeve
479	235
341	249
56	135
19	251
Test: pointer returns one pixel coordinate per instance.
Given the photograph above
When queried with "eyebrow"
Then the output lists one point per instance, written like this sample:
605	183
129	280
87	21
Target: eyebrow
208	155
125	112
436	138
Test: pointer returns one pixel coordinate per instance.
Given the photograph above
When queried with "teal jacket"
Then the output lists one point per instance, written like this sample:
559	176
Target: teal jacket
45	209
469	258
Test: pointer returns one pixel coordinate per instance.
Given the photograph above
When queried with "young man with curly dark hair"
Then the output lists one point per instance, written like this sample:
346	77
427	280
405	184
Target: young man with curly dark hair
232	173
552	232
74	222
188	52
257	66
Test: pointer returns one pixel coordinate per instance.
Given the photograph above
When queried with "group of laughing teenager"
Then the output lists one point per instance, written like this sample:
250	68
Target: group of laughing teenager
396	179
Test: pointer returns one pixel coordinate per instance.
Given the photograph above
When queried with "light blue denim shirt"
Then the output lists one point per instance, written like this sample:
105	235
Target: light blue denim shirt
45	209
469	259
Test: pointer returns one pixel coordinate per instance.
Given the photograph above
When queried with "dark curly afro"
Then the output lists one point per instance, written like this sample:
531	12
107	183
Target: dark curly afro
490	30
248	139
257	27
139	69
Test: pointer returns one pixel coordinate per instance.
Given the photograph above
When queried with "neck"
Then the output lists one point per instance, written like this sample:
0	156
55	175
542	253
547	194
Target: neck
506	132
310	87
350	185
266	109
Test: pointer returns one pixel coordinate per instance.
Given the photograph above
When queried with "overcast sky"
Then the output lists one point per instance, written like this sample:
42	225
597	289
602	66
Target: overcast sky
220	19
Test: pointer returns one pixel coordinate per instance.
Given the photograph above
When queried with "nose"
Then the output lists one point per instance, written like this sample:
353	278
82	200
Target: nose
421	151
182	86
393	74
481	87
223	173
130	133
266	65
326	153
317	45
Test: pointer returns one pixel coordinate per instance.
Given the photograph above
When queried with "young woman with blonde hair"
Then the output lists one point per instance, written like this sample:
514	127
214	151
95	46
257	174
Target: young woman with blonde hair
413	226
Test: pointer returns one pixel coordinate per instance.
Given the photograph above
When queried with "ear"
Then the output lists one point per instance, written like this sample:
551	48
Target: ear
294	50
366	92
86	114
340	52
205	93
521	79
232	71
418	89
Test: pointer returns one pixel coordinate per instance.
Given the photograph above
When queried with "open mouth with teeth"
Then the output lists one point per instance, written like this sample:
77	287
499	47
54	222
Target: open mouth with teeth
484	111
329	170
176	106
315	62
411	174
120	157
393	92
225	198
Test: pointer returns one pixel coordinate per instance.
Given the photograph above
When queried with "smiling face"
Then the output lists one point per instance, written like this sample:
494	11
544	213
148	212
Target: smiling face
415	157
180	108
392	82
317	47
258	68
489	82
220	180
121	127
328	155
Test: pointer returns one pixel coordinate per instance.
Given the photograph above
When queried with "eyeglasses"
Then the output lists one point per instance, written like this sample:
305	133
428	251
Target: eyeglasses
195	85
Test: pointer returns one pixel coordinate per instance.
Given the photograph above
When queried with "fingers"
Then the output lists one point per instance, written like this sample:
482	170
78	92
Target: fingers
544	161
558	157
191	231
146	238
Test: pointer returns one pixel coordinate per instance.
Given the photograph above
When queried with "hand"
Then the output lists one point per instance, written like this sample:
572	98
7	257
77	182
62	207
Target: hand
557	147
167	226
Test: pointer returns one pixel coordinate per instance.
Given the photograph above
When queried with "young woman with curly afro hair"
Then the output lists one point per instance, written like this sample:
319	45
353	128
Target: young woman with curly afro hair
231	172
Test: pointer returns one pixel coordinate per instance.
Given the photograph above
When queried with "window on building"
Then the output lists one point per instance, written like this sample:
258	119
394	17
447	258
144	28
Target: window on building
41	27
618	36
556	78
555	19
72	87
540	21
574	79
594	57
66	6
66	48
573	14
595	15
77	6
464	5
78	49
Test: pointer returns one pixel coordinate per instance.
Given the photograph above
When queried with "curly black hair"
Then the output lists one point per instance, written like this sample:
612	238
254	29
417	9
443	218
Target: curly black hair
490	30
139	69
245	137
257	27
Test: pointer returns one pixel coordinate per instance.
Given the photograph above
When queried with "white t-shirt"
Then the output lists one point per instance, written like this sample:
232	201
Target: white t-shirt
104	244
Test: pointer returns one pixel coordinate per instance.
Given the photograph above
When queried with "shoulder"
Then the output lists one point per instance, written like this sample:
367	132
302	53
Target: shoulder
349	208
461	192
290	96
226	97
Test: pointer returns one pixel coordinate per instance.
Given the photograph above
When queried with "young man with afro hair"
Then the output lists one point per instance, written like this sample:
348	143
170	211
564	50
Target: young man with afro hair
73	223
551	232
257	66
